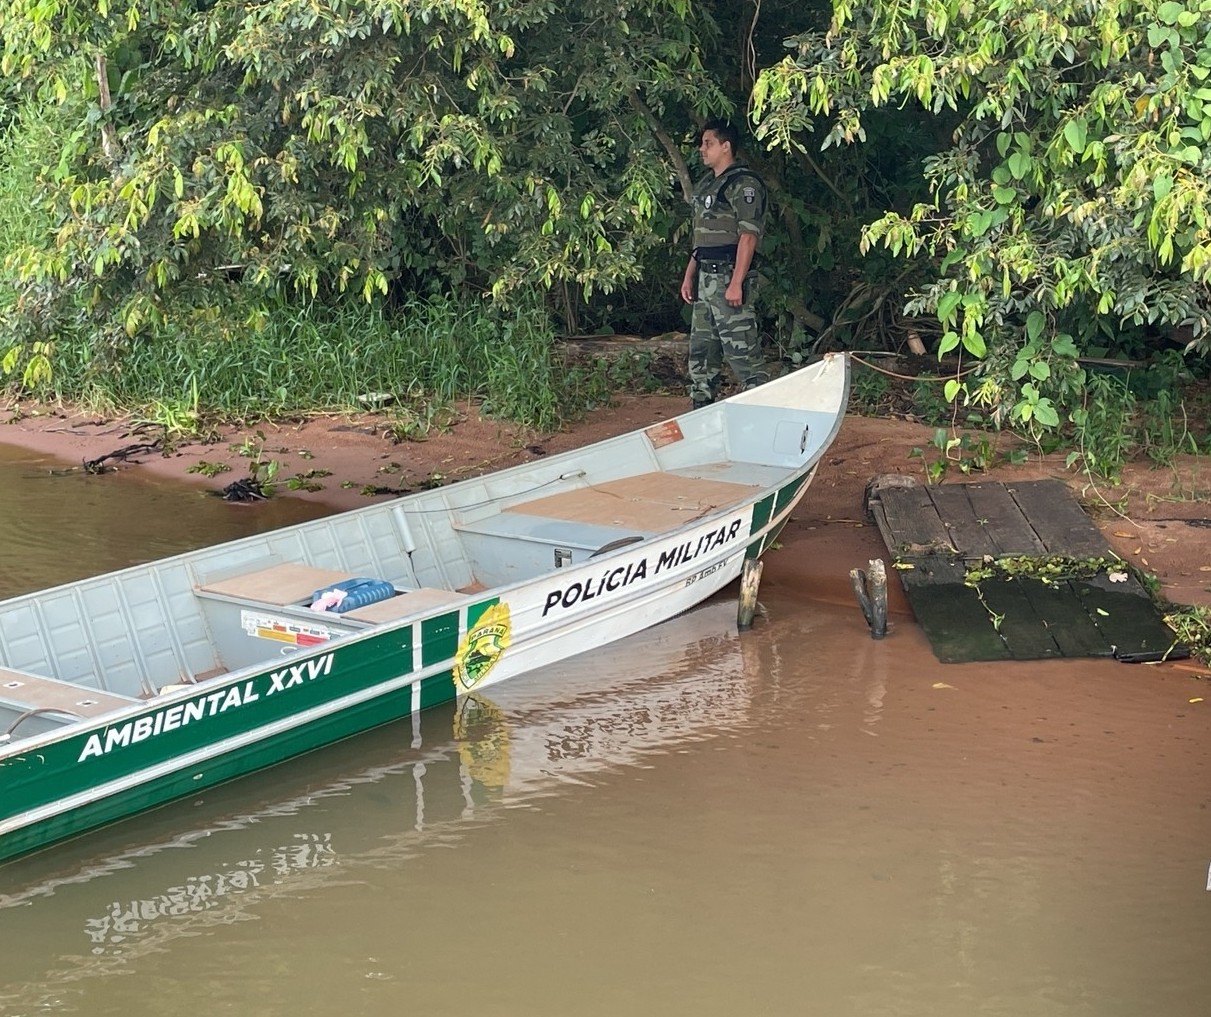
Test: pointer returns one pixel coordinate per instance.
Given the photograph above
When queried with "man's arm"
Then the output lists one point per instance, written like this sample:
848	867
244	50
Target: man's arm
747	196
746	247
689	280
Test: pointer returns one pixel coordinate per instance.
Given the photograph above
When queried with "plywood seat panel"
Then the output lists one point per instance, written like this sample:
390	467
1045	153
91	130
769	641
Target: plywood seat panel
35	692
406	603
287	583
653	502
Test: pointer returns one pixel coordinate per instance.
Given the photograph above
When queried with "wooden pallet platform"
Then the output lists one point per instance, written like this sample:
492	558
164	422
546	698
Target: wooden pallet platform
934	534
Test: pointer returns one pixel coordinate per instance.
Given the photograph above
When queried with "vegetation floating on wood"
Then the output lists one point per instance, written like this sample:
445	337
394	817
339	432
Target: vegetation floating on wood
1049	569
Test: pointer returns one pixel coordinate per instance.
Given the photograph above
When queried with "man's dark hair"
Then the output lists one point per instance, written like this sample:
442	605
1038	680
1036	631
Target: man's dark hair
724	131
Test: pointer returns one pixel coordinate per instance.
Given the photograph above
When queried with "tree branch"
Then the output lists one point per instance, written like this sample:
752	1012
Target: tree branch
671	149
109	143
814	167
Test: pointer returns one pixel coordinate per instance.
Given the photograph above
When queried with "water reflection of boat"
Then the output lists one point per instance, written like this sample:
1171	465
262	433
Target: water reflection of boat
125	691
331	814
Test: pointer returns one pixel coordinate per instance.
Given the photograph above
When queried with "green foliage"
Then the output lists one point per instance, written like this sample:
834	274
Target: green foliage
208	469
177	418
375	149
1164	430
260	481
521	375
1105	428
31	363
417	422
1034	178
1192	628
1068	198
25	142
262	476
228	360
1047	569
929	402
400	148
868	389
307	480
30	139
968	453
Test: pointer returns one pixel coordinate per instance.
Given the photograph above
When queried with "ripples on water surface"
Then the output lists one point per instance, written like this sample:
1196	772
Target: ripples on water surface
59	524
794	821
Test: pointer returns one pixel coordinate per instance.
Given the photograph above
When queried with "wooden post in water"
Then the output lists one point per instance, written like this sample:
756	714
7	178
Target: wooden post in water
871	591
750	579
857	579
878	598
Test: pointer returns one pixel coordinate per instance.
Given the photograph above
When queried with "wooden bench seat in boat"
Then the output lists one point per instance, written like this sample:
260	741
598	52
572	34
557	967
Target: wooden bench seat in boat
291	584
593	517
650	502
33	692
525	539
520	525
279	585
404	603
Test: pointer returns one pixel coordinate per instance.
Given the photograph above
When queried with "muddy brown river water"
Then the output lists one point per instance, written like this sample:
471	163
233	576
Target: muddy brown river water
796	820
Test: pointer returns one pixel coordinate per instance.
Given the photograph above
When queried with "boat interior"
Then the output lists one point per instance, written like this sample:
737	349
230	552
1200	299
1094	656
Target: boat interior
91	647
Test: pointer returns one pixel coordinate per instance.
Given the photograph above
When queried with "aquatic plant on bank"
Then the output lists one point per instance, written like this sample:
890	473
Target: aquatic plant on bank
1192	624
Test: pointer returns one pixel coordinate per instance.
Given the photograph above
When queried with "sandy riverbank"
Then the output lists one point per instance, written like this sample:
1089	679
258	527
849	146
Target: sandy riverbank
1155	518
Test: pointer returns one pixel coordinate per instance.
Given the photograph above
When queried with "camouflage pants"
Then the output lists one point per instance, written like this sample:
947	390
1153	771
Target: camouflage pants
720	332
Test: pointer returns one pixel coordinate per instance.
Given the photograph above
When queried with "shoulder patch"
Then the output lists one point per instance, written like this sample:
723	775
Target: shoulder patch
750	195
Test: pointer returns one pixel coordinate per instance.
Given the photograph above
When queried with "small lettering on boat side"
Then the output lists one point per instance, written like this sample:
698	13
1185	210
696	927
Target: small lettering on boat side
120	736
284	630
624	575
691	580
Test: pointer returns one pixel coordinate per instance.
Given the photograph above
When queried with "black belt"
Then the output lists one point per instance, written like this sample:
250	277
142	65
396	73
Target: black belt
718	267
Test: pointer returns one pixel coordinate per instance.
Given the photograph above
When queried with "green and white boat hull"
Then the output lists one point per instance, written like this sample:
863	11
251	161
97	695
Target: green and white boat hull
130	690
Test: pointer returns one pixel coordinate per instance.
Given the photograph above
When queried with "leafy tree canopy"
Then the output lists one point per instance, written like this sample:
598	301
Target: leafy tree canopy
1068	205
360	146
1034	176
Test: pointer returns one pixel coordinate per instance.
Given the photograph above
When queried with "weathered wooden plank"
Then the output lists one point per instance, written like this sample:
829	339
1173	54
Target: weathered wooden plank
1058	519
31	691
931	570
1003	520
955	622
1020	626
1060	610
909	522
1128	619
968	532
287	583
923	527
642	502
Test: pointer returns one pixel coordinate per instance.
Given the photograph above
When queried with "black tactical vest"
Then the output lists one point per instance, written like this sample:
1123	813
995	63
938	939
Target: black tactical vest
716	224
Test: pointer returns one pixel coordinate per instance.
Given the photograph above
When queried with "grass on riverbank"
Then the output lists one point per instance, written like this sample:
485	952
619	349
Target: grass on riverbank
241	362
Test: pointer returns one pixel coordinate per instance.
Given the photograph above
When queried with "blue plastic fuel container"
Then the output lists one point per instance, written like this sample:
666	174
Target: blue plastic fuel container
359	592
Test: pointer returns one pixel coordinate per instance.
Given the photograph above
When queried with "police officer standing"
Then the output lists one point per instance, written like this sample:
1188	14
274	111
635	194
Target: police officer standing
720	278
